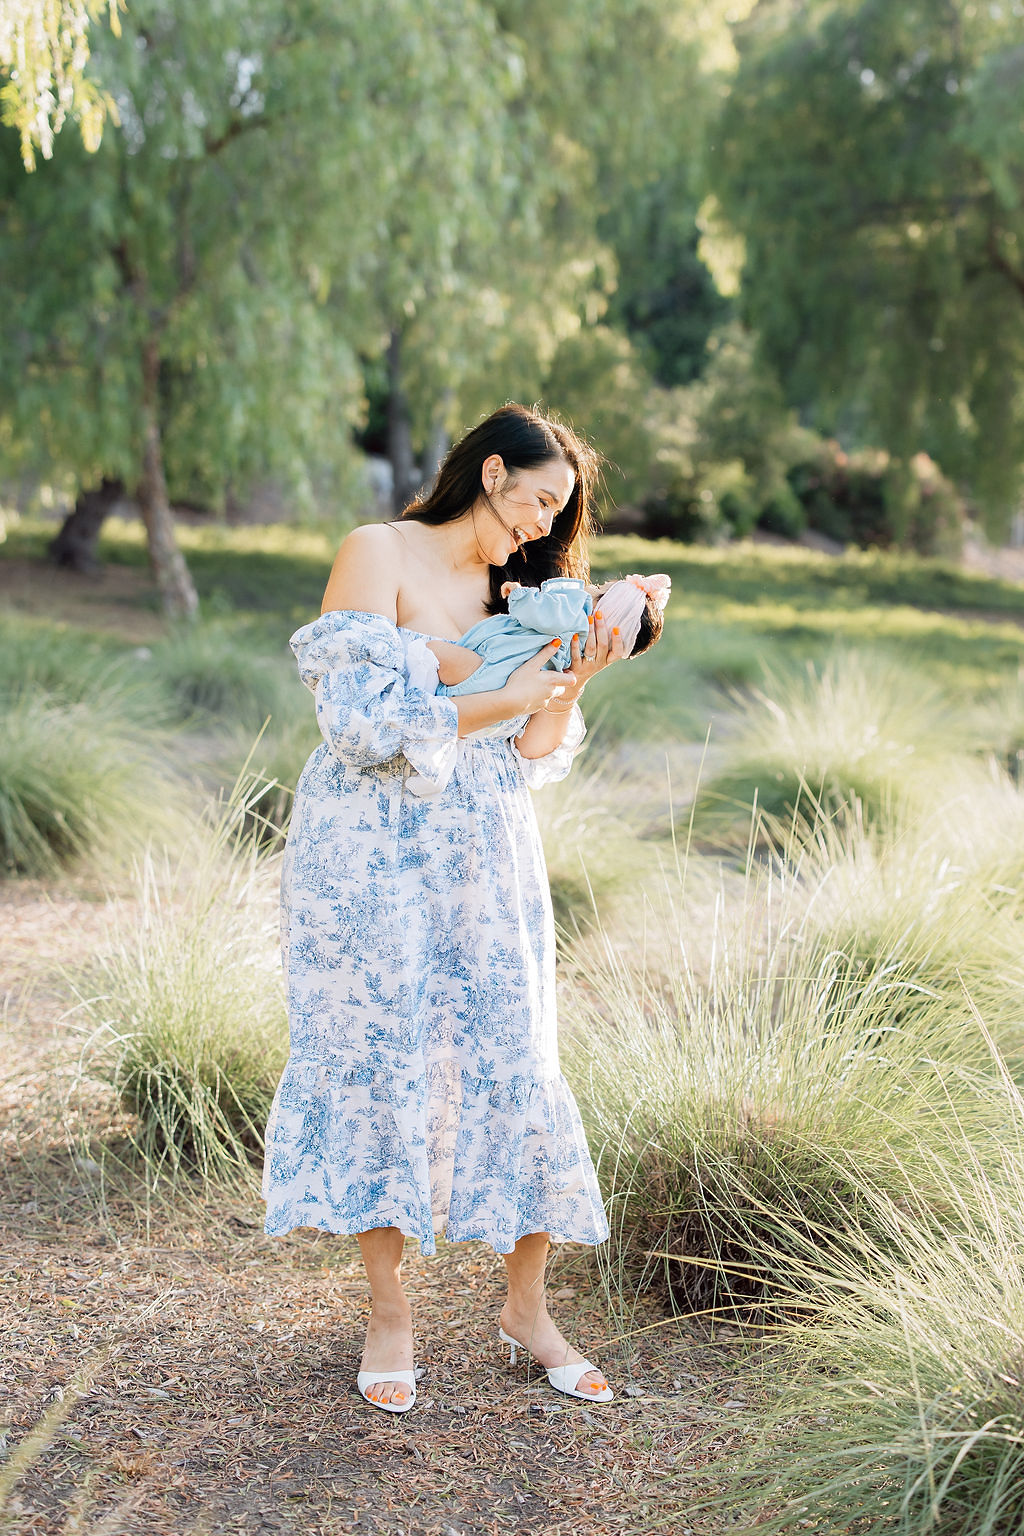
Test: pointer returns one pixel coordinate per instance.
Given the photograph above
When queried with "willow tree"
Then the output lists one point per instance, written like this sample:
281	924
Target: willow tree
44	50
183	309
870	156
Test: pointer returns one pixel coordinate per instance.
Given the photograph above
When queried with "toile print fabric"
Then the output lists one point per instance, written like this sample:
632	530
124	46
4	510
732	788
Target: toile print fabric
423	1088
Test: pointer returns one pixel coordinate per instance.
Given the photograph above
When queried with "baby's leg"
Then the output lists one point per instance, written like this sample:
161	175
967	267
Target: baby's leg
455	662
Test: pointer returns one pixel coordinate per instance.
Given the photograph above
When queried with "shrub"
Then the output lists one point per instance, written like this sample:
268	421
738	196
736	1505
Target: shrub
74	779
183	1015
868	499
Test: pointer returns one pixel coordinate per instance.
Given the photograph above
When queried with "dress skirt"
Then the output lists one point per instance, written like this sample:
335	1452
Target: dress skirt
423	1088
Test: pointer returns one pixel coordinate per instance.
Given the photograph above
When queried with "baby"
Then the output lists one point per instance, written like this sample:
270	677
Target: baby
489	653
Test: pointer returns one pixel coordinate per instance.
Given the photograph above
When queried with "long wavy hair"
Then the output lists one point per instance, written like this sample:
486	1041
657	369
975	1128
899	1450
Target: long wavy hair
525	439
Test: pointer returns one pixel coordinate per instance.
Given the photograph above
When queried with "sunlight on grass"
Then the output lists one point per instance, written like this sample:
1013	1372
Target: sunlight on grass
183	1016
902	1404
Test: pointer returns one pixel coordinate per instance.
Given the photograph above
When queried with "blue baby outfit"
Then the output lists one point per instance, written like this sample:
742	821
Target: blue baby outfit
560	606
423	1089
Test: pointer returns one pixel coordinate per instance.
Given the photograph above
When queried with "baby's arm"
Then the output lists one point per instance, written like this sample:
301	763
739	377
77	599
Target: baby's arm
455	662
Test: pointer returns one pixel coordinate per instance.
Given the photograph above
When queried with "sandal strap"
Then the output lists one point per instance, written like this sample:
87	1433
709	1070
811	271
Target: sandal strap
565	1377
367	1378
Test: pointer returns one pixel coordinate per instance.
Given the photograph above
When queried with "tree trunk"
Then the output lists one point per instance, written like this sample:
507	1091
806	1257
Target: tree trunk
438	441
403	462
177	592
74	546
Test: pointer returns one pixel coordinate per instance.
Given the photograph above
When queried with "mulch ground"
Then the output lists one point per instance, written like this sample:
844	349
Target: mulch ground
172	1370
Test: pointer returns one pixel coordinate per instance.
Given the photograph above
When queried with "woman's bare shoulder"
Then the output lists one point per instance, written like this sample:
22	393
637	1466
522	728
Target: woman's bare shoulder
367	571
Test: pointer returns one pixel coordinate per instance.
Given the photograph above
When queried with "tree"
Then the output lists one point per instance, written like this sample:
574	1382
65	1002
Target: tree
601	108
44	48
871	157
184	308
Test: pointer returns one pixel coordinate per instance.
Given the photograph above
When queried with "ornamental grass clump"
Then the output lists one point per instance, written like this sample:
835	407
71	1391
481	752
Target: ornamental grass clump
738	1082
219	673
902	1405
75	780
73	665
862	728
183	1016
911	908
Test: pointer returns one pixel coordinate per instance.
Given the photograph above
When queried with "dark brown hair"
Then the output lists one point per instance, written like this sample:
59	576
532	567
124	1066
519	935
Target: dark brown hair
652	622
525	439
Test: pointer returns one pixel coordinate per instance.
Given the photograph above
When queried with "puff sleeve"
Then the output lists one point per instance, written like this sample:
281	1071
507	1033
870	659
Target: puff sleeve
367	707
538	771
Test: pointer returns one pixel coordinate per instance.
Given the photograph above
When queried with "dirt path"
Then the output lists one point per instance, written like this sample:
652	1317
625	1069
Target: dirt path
199	1376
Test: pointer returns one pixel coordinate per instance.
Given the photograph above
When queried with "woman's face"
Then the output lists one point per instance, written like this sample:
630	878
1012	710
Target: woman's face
523	504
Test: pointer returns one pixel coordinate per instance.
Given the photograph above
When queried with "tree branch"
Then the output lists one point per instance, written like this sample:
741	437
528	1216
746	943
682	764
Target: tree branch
235	128
1001	264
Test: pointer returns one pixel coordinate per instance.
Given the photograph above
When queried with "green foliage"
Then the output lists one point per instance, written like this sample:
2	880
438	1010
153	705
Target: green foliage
665	298
595	377
44	48
867	499
865	160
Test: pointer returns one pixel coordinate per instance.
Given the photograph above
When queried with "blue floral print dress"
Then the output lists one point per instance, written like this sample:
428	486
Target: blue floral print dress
423	1088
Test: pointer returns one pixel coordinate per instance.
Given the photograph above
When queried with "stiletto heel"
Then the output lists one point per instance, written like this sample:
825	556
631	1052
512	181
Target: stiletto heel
514	1345
563	1378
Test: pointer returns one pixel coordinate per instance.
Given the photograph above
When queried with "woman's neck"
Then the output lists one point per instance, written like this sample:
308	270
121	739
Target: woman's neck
458	545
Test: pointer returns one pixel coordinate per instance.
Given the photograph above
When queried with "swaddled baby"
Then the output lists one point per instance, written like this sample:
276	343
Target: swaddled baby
490	652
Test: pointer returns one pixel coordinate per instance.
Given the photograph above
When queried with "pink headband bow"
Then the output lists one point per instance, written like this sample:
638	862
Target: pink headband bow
659	587
624	601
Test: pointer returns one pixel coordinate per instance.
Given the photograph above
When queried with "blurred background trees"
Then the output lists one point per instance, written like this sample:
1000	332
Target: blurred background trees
770	257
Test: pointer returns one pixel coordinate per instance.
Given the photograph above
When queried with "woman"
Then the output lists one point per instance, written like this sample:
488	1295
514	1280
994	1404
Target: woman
423	1091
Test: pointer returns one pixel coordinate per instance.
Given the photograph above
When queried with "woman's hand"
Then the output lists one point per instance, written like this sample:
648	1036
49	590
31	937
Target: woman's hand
531	687
600	649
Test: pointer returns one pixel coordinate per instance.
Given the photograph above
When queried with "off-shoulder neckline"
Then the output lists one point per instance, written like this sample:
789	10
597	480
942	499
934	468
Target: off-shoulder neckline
369	613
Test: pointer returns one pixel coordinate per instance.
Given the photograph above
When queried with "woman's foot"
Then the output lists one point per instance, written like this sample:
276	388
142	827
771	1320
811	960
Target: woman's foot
538	1333
388	1348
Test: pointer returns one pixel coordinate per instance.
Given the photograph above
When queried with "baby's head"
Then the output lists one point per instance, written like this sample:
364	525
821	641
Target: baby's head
635	606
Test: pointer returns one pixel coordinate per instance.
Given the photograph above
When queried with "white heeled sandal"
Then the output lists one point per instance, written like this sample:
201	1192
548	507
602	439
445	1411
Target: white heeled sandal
562	1377
366	1379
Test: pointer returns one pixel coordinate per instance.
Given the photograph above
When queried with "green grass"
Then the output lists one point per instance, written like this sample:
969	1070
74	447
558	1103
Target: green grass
859	726
75	780
737	1063
899	1410
182	1017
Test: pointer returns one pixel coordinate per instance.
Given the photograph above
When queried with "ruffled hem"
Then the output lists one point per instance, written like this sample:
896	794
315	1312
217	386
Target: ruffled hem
285	1220
353	1148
